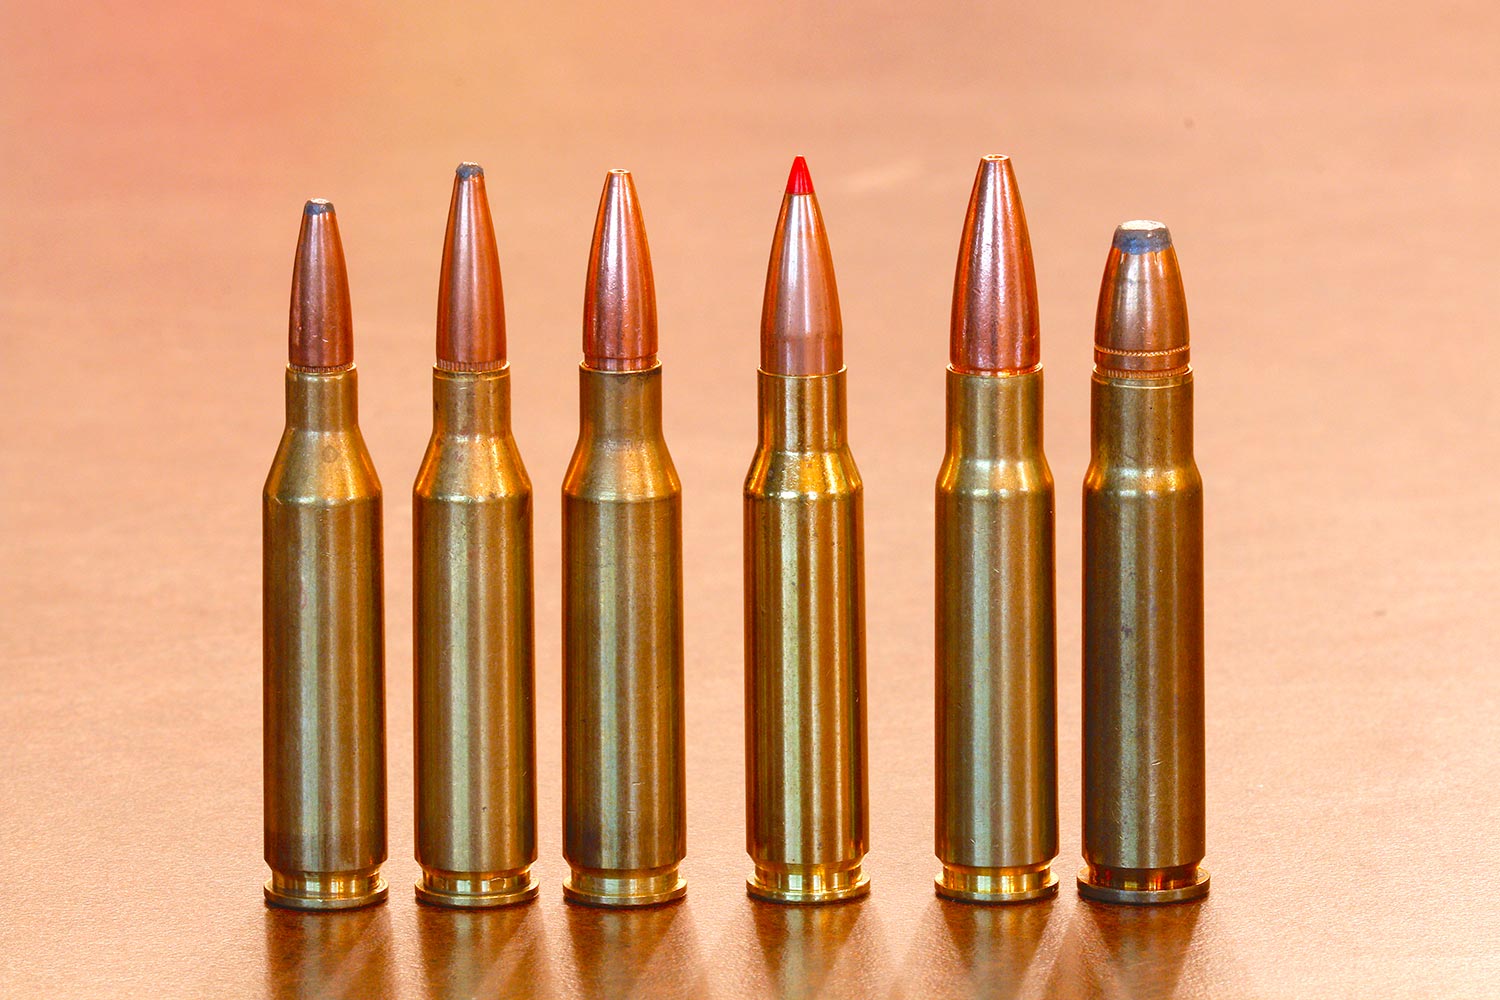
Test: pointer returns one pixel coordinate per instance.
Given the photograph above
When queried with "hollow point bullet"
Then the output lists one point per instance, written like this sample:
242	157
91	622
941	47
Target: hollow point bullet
624	746
472	561
1143	719
996	725
322	605
807	796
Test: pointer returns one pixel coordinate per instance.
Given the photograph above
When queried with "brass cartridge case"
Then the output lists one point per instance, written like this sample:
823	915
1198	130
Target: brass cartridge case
474	673
996	804
807	792
1143	725
324	656
624	747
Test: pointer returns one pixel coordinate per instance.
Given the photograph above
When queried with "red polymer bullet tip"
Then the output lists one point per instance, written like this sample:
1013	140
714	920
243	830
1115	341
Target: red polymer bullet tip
799	181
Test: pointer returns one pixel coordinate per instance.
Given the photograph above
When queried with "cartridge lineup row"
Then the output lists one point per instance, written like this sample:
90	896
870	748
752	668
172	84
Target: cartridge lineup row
807	800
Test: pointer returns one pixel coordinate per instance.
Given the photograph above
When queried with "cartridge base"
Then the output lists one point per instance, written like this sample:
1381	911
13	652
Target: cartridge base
326	890
1142	886
808	884
634	890
996	885
475	890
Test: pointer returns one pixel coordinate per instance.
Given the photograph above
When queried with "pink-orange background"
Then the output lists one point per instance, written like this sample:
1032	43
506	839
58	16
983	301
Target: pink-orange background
1328	171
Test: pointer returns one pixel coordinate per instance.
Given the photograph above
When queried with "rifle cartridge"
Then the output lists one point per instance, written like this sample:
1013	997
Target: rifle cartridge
624	739
807	792
1143	716
323	611
472	593
996	803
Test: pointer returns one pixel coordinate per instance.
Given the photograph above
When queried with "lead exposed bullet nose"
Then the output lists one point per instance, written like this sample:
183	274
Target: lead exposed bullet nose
1141	328
471	303
320	332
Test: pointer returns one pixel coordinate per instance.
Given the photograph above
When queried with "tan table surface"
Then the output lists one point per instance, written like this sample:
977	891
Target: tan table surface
1329	172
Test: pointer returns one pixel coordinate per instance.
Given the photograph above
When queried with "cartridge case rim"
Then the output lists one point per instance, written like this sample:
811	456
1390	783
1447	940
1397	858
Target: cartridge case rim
365	888
611	892
996	885
1089	888
791	887
437	889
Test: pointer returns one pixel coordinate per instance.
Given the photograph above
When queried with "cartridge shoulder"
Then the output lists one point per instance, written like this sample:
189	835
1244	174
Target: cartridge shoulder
1003	475
622	471
472	469
786	474
321	468
1155	480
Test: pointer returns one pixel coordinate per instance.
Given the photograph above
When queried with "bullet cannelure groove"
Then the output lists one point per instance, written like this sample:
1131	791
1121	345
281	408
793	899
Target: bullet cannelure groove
1143	718
474	687
624	746
807	793
996	726
322	605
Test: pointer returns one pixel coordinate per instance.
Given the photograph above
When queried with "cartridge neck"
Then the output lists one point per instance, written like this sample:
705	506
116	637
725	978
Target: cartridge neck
1146	423
802	412
994	416
322	401
619	406
471	404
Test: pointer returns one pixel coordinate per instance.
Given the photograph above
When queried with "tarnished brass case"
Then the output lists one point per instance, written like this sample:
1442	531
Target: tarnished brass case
474	673
996	807
324	656
1143	727
624	747
807	792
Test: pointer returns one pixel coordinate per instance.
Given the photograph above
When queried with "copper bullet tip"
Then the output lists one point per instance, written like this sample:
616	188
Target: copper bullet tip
619	300
471	304
801	332
994	324
1141	329
320	334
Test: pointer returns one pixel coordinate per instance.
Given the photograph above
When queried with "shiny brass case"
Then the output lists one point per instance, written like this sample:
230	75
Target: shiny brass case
807	792
474	673
624	746
1143	726
324	655
996	807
